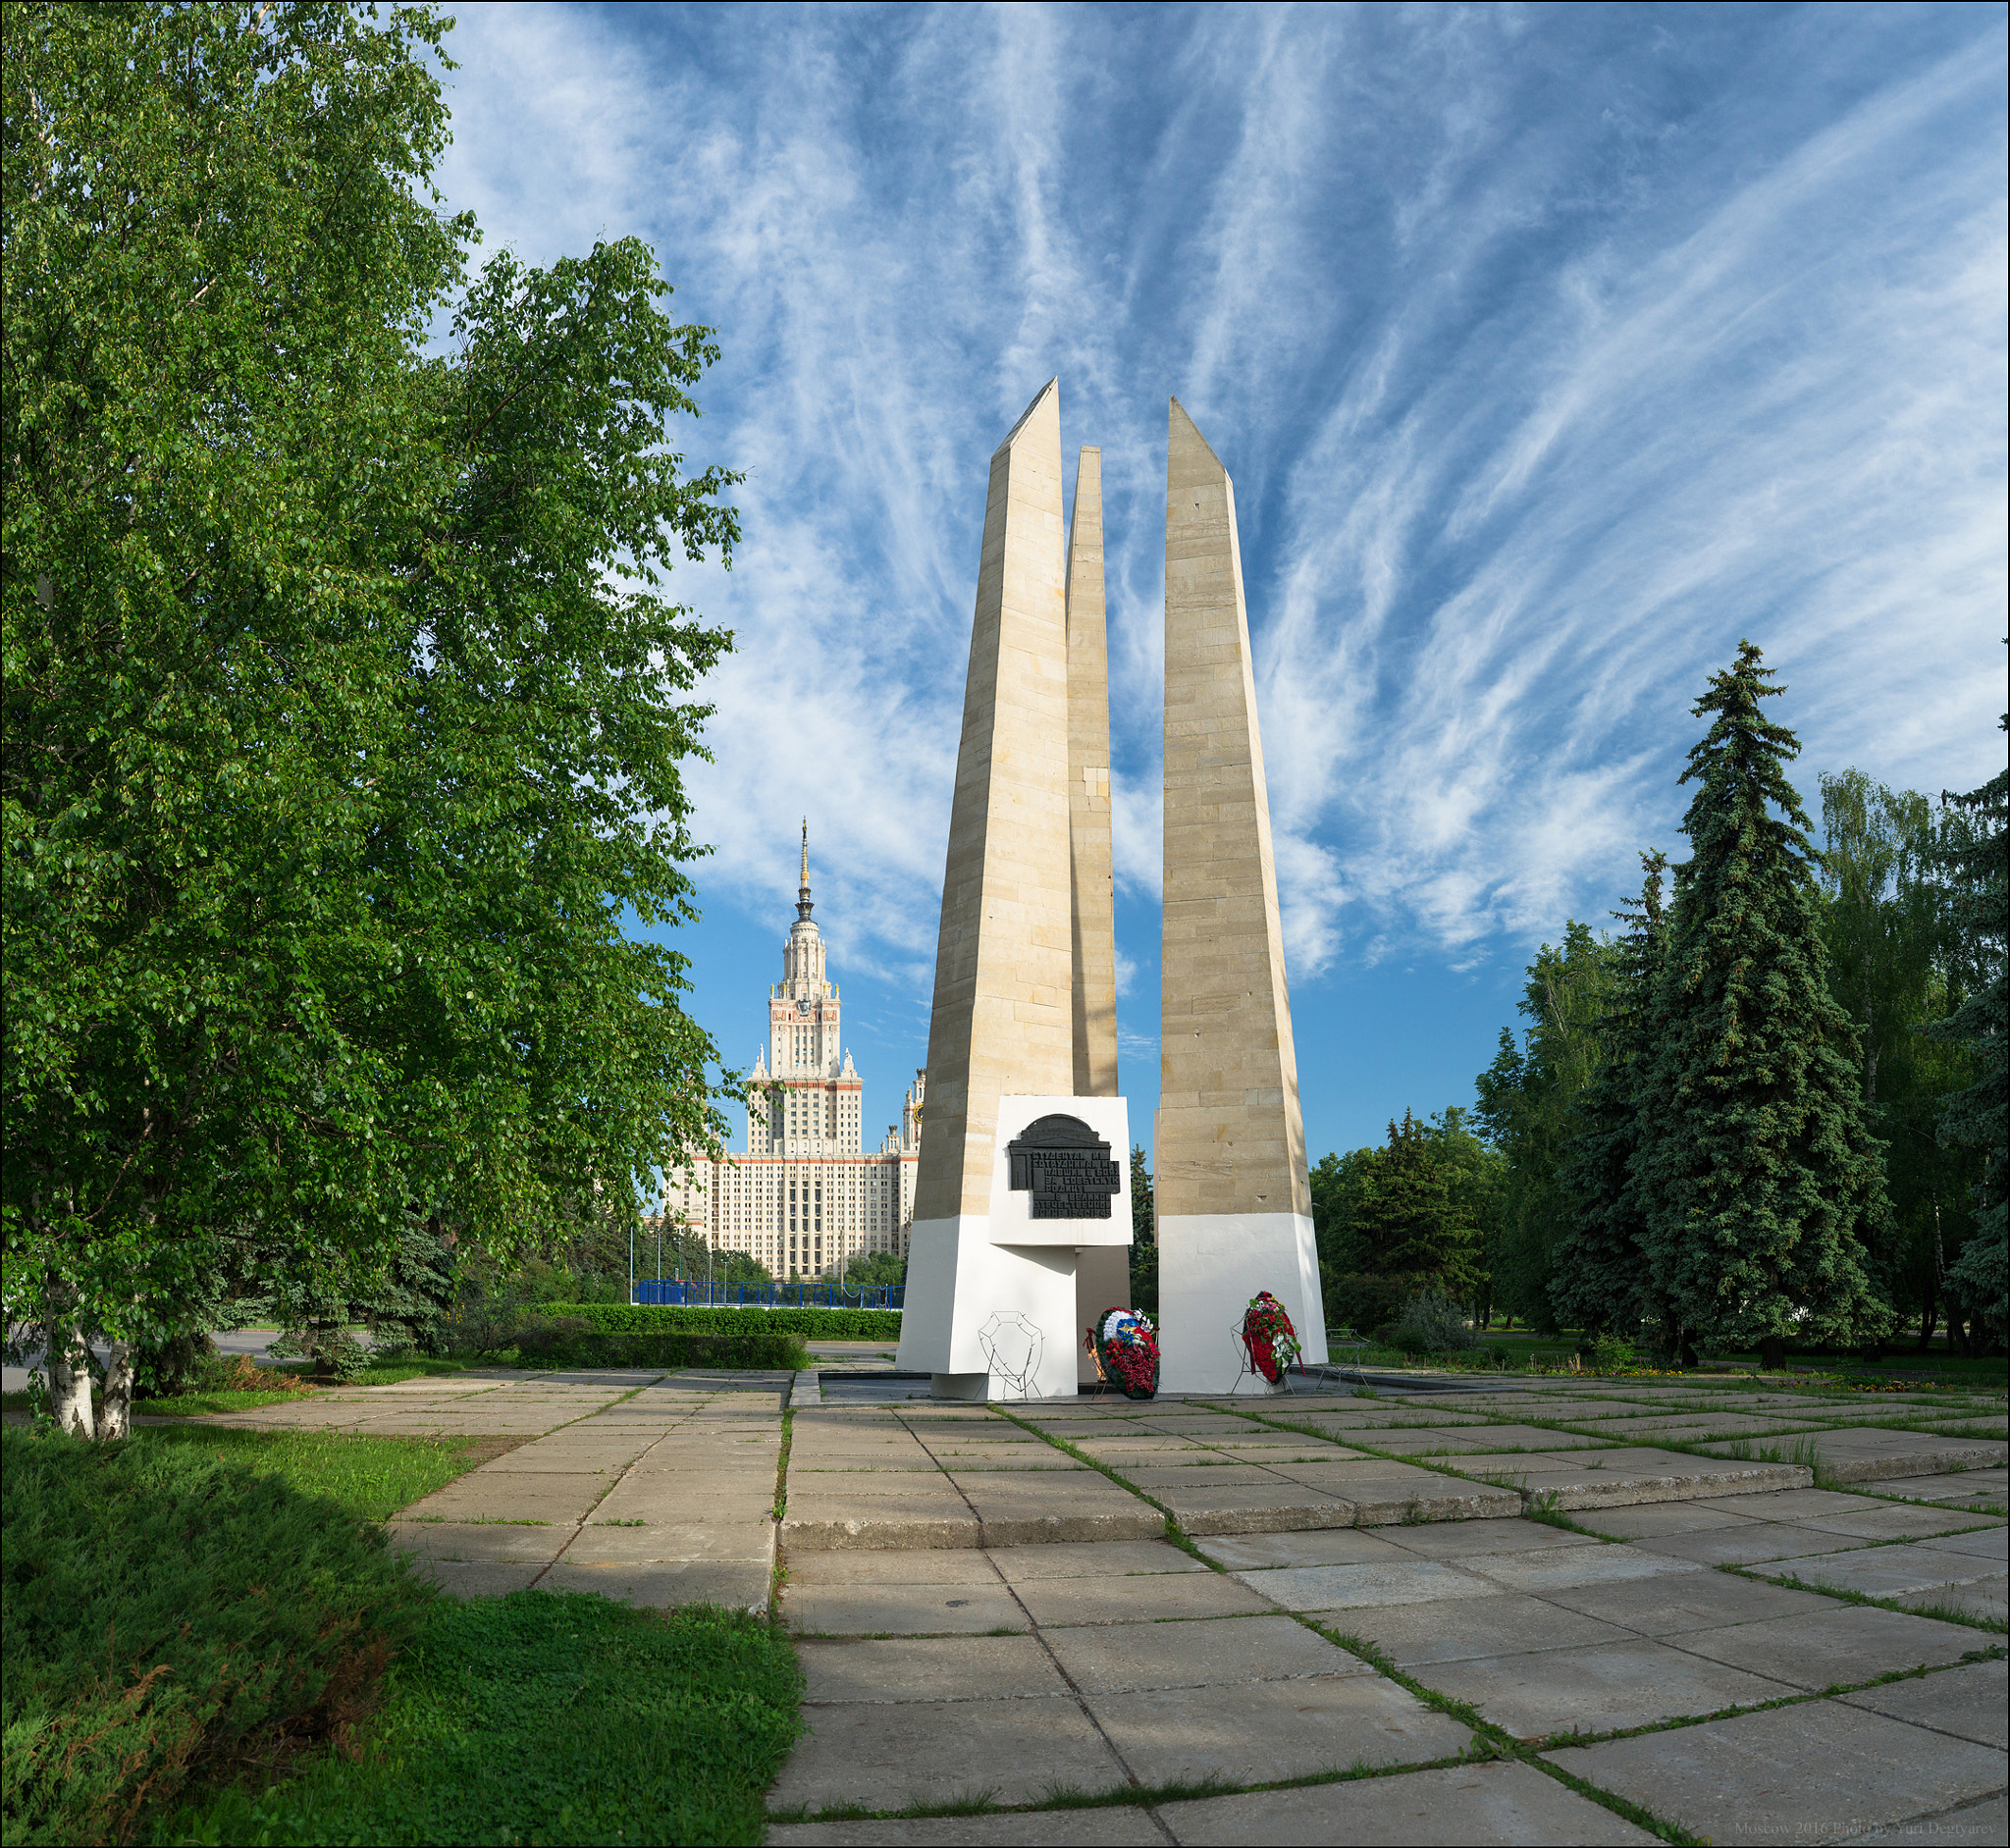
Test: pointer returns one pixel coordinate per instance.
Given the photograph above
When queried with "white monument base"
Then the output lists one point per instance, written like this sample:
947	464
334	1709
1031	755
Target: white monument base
1209	1266
992	1308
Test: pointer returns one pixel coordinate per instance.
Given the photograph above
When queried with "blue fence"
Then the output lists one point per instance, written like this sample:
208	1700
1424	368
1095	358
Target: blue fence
685	1295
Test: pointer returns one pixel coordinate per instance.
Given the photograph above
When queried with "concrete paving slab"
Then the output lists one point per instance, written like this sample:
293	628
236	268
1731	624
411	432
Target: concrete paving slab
1457	1540
1454	1806
929	1668
1490	1439
1384	1493
1756	1543
1121	1658
1627	1477
944	1566
1688	1601
917	1609
478	1495
888	1756
1085	1507
1791	1504
1985	1822
1840	1646
1598	1688
1988	1598
650	1543
1206	1507
1007	1456
739	1585
1570	1568
1988	1486
484	1578
1971	1701
488	1543
1822	1770
1512	1623
1112	1828
816	1523
1354	1587
1204	1472
1140	1599
1263	1731
1105	1559
1890	1521
1860	1453
1882	1572
1984	1543
1660	1519
1331	1546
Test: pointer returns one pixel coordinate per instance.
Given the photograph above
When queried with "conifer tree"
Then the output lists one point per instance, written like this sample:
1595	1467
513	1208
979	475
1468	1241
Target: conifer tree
1599	1278
1763	1186
1412	1227
1976	1117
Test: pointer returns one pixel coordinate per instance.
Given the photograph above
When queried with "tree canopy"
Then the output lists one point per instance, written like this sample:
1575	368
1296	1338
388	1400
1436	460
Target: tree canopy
344	706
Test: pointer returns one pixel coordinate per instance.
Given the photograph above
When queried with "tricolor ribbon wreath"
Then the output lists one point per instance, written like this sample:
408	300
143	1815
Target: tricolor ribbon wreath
1125	1347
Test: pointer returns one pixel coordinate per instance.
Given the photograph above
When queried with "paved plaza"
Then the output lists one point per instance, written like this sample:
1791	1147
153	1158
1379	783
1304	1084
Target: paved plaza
1549	1613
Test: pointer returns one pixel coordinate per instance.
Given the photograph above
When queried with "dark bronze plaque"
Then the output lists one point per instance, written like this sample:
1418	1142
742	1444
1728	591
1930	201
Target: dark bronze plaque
1067	1168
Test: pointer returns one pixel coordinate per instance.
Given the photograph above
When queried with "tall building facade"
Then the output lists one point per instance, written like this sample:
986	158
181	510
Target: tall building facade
805	1197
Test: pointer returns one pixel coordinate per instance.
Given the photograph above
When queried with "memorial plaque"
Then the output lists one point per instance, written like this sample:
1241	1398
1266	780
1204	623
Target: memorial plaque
1066	1167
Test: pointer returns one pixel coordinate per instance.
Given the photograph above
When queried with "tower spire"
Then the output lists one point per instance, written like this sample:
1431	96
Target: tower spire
803	905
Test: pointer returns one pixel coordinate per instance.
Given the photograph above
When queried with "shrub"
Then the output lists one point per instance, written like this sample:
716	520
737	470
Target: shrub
612	1334
1359	1300
1609	1352
1435	1322
642	1318
168	1615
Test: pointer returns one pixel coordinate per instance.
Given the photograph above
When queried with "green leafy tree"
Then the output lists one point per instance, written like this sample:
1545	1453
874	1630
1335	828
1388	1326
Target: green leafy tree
344	710
1895	963
1598	1276
876	1270
1528	1110
1764	1185
1974	1118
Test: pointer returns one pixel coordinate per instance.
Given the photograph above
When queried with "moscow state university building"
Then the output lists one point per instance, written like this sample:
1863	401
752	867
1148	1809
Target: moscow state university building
805	1197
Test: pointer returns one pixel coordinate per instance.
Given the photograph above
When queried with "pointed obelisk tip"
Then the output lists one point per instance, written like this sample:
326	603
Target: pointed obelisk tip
1181	430
1039	398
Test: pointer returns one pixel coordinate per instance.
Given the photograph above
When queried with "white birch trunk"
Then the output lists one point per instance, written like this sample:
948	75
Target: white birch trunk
115	1414
67	1363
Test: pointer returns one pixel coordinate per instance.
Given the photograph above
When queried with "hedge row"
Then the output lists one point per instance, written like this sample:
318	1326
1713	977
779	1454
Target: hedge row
619	1319
564	1346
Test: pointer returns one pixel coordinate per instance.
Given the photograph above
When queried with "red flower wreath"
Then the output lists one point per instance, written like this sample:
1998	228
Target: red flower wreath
1126	1349
1269	1339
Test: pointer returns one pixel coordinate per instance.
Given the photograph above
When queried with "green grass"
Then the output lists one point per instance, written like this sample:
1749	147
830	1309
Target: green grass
371	1477
546	1718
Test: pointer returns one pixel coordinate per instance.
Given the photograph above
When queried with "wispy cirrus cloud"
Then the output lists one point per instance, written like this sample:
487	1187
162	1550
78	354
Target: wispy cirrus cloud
1550	351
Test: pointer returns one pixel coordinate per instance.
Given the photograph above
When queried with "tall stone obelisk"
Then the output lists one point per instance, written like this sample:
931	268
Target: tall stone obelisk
1103	1273
990	1302
1235	1213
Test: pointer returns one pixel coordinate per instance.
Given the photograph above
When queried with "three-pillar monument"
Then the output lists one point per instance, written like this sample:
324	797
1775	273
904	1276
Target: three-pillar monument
1023	1199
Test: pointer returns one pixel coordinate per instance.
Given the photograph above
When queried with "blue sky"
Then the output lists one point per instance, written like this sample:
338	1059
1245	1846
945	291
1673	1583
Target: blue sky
1552	351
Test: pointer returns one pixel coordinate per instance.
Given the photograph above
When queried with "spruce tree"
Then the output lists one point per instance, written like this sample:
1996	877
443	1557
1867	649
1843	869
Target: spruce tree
1597	1278
1975	861
1412	1227
1764	1185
